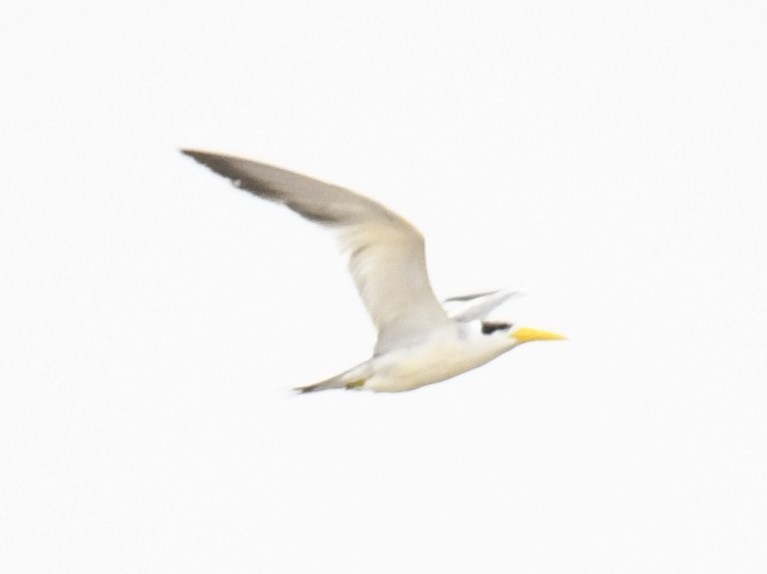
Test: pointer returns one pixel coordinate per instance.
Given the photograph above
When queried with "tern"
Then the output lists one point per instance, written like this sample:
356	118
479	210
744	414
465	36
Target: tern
419	342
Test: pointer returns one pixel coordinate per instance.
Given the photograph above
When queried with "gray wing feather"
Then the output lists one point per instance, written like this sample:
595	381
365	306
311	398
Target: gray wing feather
386	253
479	305
463	298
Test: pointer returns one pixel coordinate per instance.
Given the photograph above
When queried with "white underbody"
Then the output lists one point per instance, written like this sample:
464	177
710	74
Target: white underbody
441	357
419	341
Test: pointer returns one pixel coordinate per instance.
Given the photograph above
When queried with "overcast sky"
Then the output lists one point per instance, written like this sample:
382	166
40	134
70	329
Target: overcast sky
607	157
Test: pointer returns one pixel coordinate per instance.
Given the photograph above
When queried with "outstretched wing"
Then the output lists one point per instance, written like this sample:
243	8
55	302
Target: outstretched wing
386	253
477	306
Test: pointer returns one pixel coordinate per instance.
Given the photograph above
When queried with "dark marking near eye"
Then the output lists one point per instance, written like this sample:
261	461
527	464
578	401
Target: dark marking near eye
489	327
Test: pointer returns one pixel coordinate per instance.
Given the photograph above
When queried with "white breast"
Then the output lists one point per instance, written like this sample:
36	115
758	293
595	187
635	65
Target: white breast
436	360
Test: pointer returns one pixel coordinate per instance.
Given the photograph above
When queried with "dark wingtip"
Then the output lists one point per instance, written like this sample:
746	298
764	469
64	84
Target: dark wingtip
220	164
194	154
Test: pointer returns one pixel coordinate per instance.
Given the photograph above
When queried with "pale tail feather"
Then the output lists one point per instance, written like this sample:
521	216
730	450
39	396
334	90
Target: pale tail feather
336	382
352	379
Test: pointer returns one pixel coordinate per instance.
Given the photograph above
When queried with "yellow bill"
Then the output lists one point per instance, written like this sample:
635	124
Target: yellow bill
525	335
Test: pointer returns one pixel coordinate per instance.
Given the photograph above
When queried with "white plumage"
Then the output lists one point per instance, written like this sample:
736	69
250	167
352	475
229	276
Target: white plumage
418	342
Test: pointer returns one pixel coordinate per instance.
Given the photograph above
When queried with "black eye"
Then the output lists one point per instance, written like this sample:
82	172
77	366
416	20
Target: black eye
493	326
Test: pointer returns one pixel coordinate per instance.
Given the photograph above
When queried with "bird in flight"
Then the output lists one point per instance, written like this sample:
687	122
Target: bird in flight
419	342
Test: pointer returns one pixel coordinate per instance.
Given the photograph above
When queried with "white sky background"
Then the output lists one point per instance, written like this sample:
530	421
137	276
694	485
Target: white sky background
609	156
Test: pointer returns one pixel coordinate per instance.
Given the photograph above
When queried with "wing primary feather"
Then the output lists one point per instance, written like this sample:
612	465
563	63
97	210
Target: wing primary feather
479	306
469	297
386	253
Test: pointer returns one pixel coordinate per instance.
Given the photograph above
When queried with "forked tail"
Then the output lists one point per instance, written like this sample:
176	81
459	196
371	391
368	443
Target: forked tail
351	379
334	383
